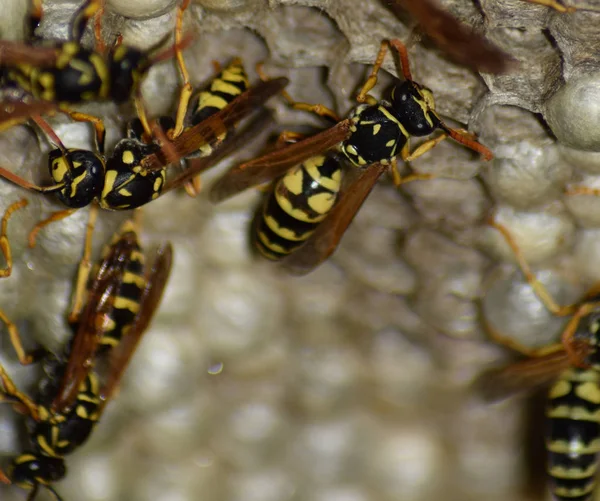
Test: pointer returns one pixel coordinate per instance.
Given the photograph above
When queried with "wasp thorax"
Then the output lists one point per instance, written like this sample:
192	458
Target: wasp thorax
414	106
126	68
82	174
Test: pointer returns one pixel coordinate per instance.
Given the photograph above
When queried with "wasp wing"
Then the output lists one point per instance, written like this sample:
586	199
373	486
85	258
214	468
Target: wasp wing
91	326
463	44
275	164
149	301
16	112
522	376
15	53
323	242
210	131
232	143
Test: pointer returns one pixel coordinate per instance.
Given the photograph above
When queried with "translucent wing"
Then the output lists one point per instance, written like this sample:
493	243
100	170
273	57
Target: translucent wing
328	234
100	300
461	43
14	53
276	163
16	112
208	131
522	376
232	143
122	353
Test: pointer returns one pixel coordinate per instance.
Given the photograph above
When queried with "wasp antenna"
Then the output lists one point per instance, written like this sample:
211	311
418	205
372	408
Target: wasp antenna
469	140
49	131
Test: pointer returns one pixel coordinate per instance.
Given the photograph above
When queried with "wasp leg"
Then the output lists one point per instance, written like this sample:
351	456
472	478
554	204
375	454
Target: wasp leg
554	5
185	93
287	137
318	109
423	148
84	268
15	339
541	292
97	123
99	41
140	110
582	190
4	479
510	343
12	391
35	16
193	187
398	179
364	96
56	216
82	16
4	243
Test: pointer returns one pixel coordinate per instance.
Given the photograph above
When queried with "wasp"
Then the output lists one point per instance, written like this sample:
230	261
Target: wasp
136	171
195	107
122	298
573	368
369	140
4	243
66	73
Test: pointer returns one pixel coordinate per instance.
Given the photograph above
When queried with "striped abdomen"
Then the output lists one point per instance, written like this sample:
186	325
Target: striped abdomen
573	439
300	201
224	88
56	435
126	304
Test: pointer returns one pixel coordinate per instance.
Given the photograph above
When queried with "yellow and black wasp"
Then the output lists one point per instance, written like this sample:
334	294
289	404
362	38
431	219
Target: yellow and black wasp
125	179
195	107
573	368
121	300
66	73
370	139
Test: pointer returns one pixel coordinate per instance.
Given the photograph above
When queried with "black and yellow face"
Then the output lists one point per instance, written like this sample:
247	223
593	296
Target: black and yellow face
30	470
414	107
82	173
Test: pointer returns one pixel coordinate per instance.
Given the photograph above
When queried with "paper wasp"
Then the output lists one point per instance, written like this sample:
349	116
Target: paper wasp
136	172
573	368
370	139
66	73
122	298
4	243
194	108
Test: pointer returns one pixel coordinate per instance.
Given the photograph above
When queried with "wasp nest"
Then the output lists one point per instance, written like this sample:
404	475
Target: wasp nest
355	382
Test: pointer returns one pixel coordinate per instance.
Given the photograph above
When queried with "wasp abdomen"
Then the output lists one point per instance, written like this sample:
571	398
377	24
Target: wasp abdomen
573	439
226	86
127	297
300	201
